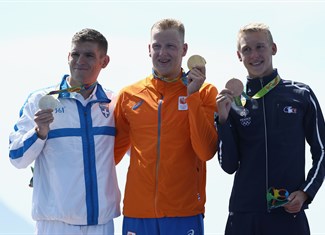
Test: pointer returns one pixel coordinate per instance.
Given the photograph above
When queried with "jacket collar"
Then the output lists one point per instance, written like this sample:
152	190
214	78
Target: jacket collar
100	93
253	85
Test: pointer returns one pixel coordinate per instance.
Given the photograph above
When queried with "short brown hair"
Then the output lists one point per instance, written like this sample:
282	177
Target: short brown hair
91	35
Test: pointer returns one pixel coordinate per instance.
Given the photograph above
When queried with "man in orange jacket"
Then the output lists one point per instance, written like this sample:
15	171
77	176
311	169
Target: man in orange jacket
167	122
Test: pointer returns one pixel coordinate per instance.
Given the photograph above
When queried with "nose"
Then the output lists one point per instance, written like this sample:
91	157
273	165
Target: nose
163	51
254	53
81	59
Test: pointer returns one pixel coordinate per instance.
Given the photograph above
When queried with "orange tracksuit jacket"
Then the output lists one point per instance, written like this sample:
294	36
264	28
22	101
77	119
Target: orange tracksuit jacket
170	139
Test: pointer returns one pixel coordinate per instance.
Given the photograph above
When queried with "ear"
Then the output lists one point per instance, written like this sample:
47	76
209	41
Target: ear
149	48
105	61
274	49
239	56
69	57
185	47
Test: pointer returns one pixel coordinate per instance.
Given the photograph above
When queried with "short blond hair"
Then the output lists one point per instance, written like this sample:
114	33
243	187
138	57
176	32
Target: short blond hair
254	27
165	24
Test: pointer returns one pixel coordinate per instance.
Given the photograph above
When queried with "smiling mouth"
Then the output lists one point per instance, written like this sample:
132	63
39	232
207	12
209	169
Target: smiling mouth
257	63
164	61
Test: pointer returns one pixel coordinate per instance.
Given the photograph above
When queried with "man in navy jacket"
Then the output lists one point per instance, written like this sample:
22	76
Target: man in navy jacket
263	140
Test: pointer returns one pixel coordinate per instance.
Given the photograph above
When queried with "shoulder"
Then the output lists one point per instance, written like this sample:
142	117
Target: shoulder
136	87
295	85
296	89
42	91
208	88
109	93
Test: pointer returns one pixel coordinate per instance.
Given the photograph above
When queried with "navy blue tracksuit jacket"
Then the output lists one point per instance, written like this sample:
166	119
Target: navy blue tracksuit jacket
266	146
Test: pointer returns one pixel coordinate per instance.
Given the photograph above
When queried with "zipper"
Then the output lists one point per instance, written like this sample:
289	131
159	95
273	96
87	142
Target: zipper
91	210
266	148
158	154
91	213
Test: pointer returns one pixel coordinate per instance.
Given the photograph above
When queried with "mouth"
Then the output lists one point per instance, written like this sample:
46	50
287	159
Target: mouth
164	61
255	64
80	69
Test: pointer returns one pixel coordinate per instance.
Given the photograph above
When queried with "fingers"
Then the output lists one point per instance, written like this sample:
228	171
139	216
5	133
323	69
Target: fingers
197	74
296	201
200	69
225	95
195	79
43	117
292	207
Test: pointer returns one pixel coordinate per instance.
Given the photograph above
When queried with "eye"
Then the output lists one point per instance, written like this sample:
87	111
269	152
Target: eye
246	50
260	47
155	46
74	54
171	46
90	55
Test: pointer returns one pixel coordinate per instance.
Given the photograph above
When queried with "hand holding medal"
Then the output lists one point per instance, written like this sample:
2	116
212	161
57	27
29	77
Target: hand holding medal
195	77
240	97
237	88
44	116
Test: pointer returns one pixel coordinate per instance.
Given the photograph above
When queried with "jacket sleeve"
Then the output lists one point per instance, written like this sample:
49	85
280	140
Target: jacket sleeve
122	138
315	136
228	155
202	108
24	144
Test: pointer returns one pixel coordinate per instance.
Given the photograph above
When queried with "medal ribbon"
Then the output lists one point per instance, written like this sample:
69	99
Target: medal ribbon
267	88
74	89
259	94
182	76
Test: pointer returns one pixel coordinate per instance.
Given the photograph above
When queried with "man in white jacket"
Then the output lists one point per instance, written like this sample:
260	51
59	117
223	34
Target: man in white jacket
68	131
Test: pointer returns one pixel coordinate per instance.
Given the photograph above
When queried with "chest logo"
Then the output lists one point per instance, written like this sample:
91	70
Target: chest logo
290	109
245	121
137	105
182	105
104	108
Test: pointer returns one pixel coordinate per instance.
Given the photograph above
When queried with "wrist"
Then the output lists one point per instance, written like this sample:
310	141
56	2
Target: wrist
39	134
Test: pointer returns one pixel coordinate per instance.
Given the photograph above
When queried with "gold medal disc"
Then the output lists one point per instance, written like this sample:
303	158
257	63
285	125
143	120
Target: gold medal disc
195	60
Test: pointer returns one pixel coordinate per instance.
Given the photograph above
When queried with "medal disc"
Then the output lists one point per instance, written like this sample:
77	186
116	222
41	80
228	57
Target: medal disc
195	60
236	86
47	102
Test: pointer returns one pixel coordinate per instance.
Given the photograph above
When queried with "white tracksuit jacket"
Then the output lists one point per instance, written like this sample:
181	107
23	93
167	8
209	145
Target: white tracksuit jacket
74	172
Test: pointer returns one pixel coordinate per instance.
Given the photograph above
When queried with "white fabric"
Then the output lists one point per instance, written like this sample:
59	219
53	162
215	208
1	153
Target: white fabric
45	227
75	171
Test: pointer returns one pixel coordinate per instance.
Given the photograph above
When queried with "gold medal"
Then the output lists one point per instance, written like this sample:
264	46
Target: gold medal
195	60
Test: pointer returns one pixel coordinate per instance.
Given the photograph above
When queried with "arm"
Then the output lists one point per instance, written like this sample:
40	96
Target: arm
122	138
24	142
202	108
228	154
315	135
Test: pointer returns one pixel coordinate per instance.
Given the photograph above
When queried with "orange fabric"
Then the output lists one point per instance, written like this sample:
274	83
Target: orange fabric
169	147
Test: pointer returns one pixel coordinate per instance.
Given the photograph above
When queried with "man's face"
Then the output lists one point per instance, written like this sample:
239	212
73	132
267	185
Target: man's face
255	51
86	61
166	51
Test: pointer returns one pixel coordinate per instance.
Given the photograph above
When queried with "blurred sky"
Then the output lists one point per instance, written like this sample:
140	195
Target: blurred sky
35	40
